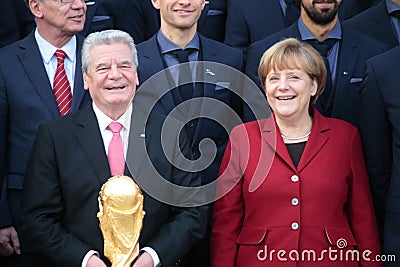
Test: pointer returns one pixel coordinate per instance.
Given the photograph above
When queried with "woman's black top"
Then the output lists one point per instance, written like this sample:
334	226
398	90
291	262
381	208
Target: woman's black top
295	151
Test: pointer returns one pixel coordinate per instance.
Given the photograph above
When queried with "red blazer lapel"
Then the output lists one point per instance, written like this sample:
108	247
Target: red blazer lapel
318	138
271	135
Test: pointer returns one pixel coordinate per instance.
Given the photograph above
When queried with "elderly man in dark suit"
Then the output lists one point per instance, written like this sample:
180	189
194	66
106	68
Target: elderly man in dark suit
380	22
380	128
345	52
72	158
28	71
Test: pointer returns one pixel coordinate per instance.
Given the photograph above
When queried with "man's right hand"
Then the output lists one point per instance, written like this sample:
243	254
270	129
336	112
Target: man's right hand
9	242
95	261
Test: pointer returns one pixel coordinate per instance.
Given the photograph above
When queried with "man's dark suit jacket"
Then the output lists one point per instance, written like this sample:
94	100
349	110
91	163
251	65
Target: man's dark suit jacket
376	23
141	20
380	132
350	8
16	21
68	166
26	101
354	50
252	20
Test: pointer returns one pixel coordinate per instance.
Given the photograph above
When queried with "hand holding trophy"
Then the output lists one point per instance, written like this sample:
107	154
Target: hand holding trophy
121	218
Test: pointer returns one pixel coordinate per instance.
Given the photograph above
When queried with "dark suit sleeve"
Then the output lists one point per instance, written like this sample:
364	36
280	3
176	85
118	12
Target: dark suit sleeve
43	206
5	215
9	27
377	140
228	212
255	94
254	54
236	31
186	224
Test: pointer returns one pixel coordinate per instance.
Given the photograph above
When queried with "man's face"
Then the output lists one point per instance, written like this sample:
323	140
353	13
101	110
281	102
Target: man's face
60	18
111	77
321	11
179	14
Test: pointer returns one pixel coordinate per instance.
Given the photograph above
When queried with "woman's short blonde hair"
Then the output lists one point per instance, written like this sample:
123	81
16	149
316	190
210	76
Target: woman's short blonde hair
291	53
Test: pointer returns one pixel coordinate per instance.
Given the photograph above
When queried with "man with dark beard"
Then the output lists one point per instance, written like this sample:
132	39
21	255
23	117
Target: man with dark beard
344	51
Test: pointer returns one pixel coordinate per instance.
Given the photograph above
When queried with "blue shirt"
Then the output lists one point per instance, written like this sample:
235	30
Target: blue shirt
336	33
166	47
391	7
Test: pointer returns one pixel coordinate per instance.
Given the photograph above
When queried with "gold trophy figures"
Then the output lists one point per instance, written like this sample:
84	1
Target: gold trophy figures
121	216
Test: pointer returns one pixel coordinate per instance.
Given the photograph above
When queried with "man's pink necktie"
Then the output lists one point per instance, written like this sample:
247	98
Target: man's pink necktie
116	150
61	88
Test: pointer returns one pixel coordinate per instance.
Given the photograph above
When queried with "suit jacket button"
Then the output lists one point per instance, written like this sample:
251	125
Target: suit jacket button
295	226
295	201
294	178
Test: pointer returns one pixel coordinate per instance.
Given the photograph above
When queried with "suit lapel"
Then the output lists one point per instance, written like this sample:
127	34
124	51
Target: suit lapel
271	136
90	11
29	58
137	137
277	20
151	65
79	91
204	70
347	60
90	139
318	138
383	23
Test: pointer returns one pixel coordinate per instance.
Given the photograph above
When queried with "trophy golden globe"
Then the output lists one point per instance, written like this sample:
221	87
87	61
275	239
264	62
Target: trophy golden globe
121	218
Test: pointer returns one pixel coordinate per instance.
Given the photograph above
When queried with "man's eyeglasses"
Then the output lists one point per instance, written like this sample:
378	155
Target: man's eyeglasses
70	1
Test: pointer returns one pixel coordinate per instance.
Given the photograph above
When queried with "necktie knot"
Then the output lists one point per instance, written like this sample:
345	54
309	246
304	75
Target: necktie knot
395	13
115	127
183	54
61	87
323	47
60	54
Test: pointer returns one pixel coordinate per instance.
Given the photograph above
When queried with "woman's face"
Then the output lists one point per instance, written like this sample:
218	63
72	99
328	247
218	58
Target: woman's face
288	92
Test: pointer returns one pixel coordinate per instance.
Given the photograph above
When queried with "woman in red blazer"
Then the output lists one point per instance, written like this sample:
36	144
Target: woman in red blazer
298	187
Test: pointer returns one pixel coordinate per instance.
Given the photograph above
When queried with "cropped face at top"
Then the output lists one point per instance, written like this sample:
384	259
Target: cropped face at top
321	11
111	77
180	14
60	17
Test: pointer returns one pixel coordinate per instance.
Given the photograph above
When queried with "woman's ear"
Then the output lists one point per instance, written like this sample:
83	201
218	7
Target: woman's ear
314	87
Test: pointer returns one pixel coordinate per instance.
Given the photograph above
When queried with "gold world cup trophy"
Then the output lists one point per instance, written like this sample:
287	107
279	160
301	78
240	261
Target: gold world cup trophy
121	218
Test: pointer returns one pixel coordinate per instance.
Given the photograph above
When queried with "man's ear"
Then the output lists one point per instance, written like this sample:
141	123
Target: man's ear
156	4
36	8
85	78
